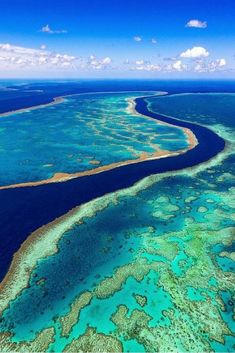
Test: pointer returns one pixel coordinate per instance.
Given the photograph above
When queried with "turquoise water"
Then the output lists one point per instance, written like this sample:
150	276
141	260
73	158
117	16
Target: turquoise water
79	134
168	240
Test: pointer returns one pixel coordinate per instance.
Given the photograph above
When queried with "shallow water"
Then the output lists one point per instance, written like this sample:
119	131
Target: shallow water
82	133
176	235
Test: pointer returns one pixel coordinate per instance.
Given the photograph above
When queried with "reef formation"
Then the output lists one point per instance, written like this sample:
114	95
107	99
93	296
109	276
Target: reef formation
147	268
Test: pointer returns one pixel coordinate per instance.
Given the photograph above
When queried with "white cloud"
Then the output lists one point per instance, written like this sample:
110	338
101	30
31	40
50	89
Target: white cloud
15	57
196	24
137	39
139	62
146	66
221	62
178	65
195	52
212	66
106	61
47	29
175	66
216	65
169	58
20	58
98	64
154	41
200	67
142	65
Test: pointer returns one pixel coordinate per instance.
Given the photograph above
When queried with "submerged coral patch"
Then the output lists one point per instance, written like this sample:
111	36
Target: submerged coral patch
83	134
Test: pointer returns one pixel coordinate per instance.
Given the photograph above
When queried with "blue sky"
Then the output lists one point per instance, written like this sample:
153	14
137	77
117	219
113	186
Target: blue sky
117	38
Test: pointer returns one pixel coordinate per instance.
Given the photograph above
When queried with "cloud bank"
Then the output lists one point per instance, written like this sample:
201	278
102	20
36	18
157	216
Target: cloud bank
21	59
12	57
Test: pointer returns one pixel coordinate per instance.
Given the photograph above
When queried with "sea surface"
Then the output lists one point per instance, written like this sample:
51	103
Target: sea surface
74	135
138	258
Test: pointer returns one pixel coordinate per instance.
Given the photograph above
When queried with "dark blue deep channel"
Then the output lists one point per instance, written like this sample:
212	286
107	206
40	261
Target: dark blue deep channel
23	210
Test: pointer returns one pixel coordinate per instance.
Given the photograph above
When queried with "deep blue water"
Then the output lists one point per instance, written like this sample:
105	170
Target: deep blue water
27	93
23	210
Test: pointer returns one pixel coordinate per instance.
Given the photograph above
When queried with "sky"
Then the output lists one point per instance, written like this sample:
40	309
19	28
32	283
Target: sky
117	39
